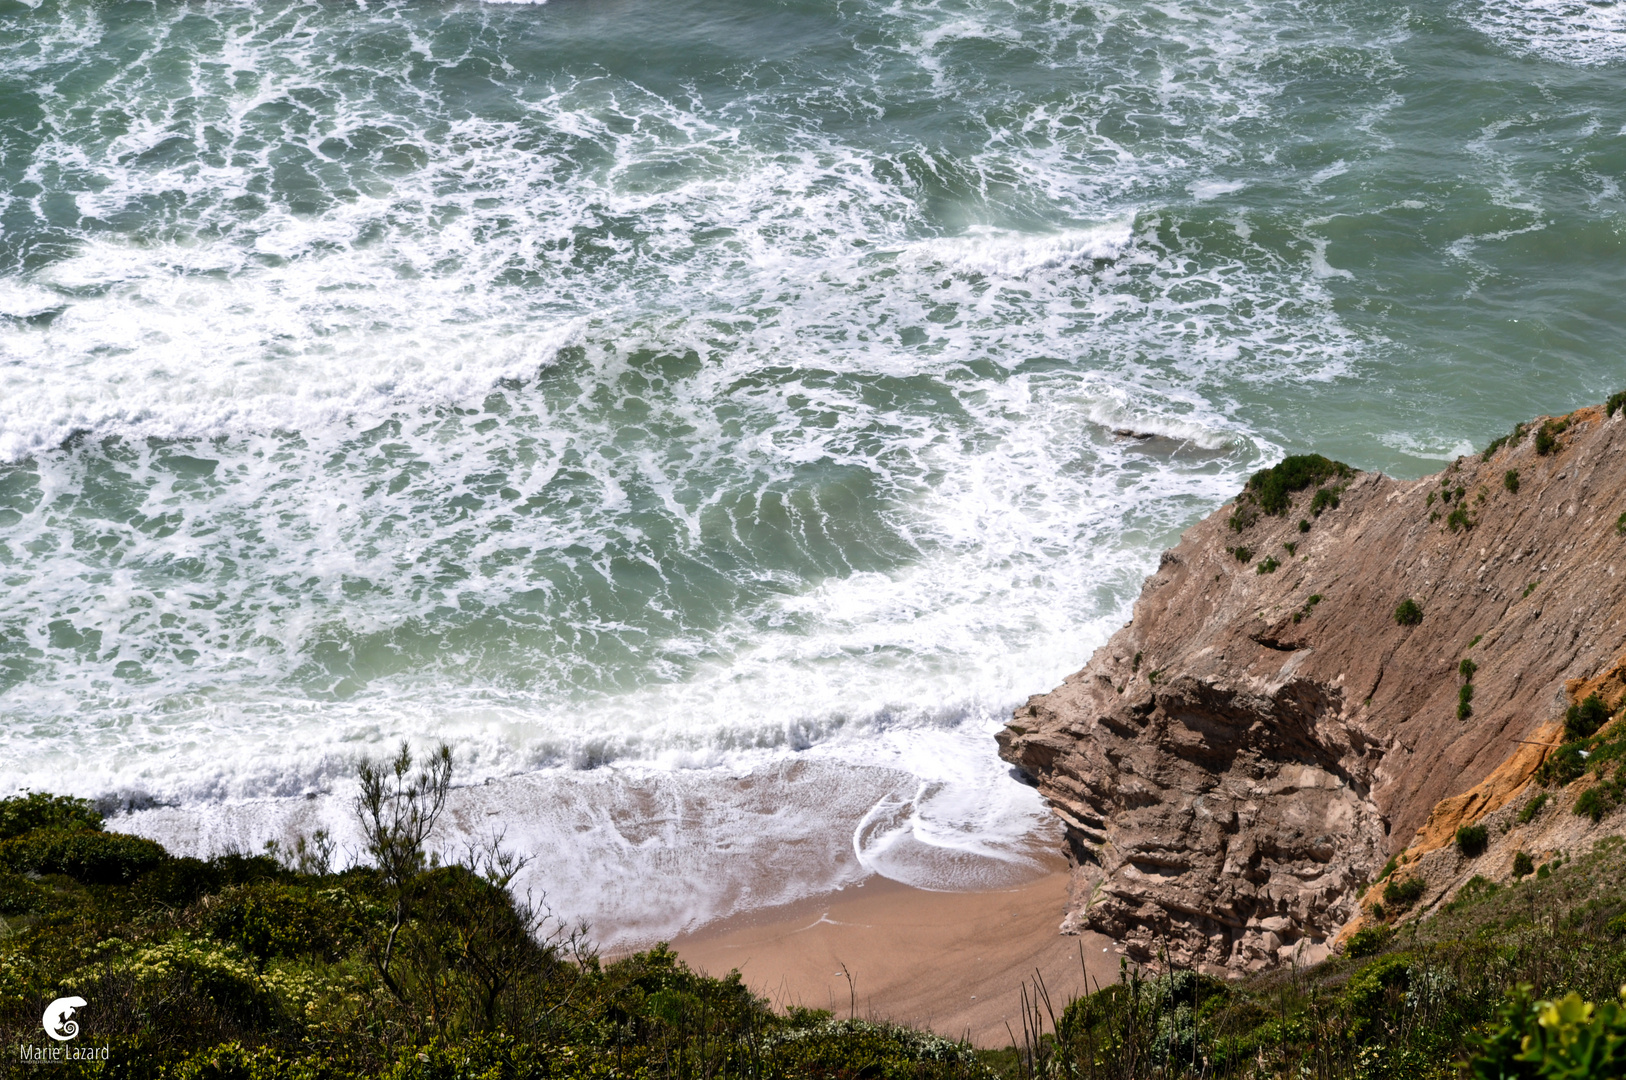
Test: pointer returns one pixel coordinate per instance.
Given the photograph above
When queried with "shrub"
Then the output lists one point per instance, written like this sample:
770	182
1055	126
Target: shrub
1304	524
269	920
1615	402
1243	555
94	858
1510	480
1547	436
1268	566
1620	525
1511	439
1466	669
1585	719
1273	488
1528	589
1564	765
19	896
1292	548
1567	1039
1408	612
1458	520
1324	499
1367	942
36	810
1532	808
1593	804
1401	895
1465	697
1522	866
1472	840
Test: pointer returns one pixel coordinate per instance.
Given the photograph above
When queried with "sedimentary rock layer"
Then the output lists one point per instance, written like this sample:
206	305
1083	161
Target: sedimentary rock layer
1242	757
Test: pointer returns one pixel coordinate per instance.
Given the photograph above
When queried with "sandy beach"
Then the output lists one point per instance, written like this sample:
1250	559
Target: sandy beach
951	962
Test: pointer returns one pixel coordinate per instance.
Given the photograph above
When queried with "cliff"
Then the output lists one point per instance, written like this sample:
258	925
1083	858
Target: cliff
1286	709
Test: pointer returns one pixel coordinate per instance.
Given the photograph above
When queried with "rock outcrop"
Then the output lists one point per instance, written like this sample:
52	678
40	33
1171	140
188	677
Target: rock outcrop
1241	759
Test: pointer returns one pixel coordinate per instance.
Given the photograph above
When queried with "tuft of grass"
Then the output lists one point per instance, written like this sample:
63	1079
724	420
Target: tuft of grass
1292	548
1477	639
1511	439
1272	489
1408	612
1510	480
1620	525
1467	668
1309	605
1532	808
1268	565
1459	520
1465	697
1134	665
1472	840
1530	588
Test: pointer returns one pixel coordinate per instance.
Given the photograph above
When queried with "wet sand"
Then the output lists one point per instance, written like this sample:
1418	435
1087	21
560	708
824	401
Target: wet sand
951	962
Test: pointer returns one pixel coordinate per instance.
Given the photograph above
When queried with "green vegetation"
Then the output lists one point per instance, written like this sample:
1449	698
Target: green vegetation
1271	490
1510	480
1522	866
1459	990
1466	667
1477	639
1309	605
1268	565
1587	717
1506	440
1472	840
1530	588
1243	554
1620	525
1459	520
1465	697
1547	437
1408	612
246	968
1532	808
1325	498
1401	895
1304	524
1616	401
1292	548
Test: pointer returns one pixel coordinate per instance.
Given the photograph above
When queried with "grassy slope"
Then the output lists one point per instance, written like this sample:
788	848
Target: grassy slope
241	967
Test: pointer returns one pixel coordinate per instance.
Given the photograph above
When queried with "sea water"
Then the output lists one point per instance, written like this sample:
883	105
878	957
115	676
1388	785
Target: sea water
712	416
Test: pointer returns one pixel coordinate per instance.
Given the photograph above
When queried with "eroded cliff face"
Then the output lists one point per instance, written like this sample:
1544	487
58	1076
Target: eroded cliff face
1240	759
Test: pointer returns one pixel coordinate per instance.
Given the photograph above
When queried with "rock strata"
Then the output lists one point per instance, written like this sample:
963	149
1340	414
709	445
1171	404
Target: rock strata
1238	761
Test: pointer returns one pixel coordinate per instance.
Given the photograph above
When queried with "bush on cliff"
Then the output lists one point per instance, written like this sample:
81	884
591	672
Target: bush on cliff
36	810
1272	489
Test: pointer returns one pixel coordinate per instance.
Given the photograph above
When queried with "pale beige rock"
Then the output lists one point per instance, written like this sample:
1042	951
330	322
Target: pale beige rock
1228	793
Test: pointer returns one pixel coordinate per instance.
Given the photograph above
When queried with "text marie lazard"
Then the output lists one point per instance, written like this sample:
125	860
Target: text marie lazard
60	1025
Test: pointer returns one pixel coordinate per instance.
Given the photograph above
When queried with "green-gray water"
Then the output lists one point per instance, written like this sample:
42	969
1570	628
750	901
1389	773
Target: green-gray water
699	385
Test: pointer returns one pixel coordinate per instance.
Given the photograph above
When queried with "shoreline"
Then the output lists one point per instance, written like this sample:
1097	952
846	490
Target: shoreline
950	962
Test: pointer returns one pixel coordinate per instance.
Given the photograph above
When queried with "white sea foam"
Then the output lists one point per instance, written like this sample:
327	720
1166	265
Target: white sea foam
633	443
1583	32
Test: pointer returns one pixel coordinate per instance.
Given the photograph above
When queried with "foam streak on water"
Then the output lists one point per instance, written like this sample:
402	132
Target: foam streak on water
641	397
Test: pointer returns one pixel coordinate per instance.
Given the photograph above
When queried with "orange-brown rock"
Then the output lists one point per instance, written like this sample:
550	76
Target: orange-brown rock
1239	760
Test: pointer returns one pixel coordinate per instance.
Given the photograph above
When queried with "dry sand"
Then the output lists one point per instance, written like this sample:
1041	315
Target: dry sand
951	962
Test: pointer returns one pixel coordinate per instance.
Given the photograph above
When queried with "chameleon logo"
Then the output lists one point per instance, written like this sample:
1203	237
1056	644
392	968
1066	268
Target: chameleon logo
56	1019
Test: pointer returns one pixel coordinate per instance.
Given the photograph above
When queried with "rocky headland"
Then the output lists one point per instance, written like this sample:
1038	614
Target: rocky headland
1327	681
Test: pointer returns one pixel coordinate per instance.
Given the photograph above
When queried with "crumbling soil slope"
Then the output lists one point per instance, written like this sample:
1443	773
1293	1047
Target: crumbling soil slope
1240	760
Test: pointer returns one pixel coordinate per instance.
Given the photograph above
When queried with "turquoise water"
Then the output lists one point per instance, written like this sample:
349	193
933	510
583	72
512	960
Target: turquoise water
703	384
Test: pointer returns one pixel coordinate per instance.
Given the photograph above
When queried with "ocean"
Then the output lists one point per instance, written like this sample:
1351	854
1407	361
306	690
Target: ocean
712	417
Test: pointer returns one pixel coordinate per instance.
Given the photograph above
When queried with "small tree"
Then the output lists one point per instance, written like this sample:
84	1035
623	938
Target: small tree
398	811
